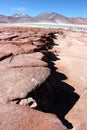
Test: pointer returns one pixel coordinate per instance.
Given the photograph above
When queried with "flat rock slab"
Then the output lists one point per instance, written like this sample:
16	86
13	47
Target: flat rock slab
73	64
7	36
22	61
9	48
5	49
32	59
15	117
26	60
35	55
16	83
27	48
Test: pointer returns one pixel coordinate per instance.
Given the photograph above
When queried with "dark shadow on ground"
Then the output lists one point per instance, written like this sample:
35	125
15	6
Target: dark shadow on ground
64	97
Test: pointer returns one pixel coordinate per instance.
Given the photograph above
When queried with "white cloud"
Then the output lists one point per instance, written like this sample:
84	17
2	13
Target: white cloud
19	9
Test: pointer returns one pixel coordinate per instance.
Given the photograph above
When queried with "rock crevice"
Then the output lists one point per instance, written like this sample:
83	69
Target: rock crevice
29	79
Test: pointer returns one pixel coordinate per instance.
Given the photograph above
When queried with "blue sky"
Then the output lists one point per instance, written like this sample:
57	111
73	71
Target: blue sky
69	8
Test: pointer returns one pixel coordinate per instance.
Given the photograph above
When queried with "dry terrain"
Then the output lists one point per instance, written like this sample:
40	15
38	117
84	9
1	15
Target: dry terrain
72	54
43	79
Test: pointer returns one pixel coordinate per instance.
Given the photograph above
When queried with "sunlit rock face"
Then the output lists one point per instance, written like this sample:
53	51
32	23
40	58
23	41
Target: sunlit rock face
25	78
16	117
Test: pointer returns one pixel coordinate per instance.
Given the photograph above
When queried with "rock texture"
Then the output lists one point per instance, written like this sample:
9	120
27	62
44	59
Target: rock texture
15	117
72	52
23	60
25	76
16	83
43	69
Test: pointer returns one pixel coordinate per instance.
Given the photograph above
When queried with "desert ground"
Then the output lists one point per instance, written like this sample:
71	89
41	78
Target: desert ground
43	74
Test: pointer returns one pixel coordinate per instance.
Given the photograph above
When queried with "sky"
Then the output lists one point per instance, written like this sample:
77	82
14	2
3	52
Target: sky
68	8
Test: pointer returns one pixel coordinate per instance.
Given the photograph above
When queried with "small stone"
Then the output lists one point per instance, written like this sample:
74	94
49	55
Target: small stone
28	102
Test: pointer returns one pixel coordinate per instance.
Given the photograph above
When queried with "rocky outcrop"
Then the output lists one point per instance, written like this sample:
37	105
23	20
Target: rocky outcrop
25	79
72	52
23	60
16	83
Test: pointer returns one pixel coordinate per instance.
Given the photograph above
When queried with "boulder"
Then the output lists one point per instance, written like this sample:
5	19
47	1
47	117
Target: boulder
17	83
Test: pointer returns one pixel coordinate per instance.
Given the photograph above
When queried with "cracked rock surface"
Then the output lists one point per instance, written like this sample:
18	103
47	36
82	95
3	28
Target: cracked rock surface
24	79
72	52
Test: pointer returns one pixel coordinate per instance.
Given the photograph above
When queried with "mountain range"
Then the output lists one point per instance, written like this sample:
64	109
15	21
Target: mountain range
42	18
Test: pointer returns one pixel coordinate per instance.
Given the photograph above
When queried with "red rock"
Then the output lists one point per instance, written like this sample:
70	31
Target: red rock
16	83
36	55
27	48
38	43
9	48
15	117
26	61
17	43
22	74
32	59
73	63
7	36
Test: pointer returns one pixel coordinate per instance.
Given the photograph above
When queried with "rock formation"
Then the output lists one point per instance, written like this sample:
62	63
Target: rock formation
25	79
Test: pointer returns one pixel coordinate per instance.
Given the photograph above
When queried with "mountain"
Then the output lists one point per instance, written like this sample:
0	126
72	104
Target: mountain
3	19
42	18
57	18
19	18
78	20
20	15
51	17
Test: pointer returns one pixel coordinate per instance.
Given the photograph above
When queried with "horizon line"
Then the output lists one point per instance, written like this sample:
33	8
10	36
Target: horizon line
44	13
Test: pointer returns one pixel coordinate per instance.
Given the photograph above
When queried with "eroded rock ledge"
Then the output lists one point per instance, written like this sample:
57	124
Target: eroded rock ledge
26	79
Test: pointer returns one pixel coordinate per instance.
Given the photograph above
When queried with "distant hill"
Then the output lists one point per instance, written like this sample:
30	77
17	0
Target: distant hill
42	18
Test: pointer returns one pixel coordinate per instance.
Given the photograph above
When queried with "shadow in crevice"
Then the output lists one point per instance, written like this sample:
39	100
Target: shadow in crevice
5	56
59	97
